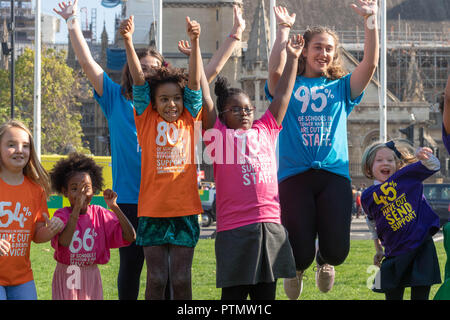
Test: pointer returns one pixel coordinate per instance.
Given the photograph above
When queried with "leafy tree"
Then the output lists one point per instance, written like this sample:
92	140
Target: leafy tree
60	111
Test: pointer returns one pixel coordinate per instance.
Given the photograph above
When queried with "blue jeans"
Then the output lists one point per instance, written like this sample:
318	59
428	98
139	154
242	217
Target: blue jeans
26	291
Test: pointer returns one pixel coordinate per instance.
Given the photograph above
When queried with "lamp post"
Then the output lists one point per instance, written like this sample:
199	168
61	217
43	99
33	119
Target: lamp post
12	30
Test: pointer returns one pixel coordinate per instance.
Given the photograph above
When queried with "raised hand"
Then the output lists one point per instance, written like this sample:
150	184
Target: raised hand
192	29
67	10
5	245
184	47
295	46
366	7
126	28
239	22
283	17
55	225
423	153
110	197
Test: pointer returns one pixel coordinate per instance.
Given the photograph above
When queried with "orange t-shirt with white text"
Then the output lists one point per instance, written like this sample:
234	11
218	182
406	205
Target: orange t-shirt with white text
168	171
21	207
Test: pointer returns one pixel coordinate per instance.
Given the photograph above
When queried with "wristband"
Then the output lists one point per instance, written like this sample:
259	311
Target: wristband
71	18
285	24
235	37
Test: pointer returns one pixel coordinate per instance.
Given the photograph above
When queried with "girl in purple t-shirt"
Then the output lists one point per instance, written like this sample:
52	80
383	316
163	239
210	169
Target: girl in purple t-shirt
403	220
252	247
89	230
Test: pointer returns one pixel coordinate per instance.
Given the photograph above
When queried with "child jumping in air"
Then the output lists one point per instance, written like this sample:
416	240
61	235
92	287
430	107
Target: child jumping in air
89	230
24	188
313	172
403	220
252	247
167	105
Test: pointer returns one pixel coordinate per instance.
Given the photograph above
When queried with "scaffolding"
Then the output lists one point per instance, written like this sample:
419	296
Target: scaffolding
424	52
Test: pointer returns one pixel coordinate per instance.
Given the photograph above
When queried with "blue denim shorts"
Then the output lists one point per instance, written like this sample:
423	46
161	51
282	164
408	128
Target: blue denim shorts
26	291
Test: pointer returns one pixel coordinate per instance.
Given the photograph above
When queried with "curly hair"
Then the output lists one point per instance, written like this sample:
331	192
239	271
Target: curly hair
157	77
336	69
223	92
127	80
75	163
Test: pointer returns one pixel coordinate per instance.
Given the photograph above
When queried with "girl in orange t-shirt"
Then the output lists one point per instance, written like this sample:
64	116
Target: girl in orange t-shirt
24	187
167	108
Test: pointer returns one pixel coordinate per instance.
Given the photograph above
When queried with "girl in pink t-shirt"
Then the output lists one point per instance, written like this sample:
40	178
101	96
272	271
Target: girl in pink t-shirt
252	247
89	230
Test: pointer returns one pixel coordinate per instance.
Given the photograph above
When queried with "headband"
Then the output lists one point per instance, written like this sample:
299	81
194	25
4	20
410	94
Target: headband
391	145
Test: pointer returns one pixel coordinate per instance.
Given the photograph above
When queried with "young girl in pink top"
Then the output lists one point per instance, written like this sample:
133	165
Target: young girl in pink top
252	248
89	230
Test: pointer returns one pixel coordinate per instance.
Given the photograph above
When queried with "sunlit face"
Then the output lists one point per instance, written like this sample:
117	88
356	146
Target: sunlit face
148	63
384	164
238	112
319	54
79	180
15	149
169	101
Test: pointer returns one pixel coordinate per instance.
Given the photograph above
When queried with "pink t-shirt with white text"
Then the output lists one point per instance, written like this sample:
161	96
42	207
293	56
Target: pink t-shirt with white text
245	173
97	231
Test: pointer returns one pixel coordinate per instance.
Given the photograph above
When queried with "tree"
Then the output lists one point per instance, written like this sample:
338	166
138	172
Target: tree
60	111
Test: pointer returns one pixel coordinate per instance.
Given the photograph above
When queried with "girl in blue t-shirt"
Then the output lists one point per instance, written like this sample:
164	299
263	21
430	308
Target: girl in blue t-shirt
313	174
403	219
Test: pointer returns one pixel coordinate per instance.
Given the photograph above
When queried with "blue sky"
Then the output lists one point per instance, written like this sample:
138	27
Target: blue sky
106	15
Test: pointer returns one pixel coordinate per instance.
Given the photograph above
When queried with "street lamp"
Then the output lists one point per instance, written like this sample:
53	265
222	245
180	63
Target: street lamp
11	51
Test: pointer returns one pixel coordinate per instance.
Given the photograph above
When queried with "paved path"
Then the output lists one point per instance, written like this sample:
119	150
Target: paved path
358	231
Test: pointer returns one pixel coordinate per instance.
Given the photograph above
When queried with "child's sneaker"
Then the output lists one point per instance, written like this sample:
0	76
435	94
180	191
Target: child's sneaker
324	277
293	286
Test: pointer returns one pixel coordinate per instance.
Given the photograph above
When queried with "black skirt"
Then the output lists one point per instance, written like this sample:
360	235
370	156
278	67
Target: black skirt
253	254
419	267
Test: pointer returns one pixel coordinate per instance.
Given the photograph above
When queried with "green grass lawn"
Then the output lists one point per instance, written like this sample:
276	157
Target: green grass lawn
350	282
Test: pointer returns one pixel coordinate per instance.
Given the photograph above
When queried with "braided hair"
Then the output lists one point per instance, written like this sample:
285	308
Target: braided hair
224	92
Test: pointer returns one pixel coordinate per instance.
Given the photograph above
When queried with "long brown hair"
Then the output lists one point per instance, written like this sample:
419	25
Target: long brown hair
127	80
33	170
336	69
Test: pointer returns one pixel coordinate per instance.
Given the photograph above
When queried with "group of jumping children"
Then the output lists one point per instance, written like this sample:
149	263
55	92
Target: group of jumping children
273	219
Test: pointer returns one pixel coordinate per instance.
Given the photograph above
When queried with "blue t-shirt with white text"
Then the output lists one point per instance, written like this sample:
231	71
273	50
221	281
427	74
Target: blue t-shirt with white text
314	131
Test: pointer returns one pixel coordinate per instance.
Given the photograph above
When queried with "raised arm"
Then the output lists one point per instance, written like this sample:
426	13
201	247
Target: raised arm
90	67
221	56
126	29
364	71
195	59
277	59
209	112
285	86
446	111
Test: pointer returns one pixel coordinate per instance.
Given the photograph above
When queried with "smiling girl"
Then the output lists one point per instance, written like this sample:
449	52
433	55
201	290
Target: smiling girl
24	188
403	220
313	174
167	106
